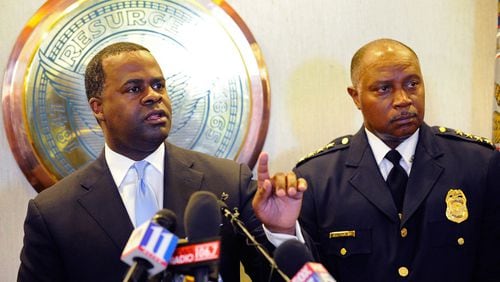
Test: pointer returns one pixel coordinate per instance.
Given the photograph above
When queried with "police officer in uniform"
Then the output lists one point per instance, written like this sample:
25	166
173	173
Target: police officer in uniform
400	200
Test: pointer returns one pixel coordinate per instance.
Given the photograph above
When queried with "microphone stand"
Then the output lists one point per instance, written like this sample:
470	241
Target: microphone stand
233	218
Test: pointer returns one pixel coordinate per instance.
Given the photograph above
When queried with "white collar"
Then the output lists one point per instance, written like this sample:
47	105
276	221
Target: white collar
119	164
406	148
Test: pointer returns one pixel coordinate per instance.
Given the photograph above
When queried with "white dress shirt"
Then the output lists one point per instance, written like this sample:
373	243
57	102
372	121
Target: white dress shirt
125	176
380	149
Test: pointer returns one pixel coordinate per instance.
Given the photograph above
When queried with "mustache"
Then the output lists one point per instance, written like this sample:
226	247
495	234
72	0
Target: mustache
404	115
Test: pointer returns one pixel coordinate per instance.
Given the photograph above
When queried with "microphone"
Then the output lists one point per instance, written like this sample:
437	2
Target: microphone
150	246
295	260
202	220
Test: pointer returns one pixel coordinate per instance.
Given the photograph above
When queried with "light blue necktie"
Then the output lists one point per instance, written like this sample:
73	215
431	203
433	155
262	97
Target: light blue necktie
145	200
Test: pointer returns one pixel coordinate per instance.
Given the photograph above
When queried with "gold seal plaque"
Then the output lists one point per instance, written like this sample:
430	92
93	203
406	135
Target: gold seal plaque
456	206
216	79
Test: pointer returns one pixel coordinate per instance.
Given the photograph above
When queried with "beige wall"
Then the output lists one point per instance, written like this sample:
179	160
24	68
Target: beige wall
307	46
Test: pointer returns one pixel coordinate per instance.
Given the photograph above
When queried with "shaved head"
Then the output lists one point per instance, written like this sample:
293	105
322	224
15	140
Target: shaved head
376	46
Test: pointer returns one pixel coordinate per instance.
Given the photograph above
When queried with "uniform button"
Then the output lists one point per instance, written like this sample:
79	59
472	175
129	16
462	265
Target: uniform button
403	271
404	232
345	140
461	241
343	251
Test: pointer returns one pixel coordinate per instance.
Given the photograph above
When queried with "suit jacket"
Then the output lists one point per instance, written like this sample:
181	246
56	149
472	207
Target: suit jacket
349	212
77	229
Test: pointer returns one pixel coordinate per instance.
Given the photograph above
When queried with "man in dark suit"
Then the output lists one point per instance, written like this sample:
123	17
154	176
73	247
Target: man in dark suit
440	223
77	229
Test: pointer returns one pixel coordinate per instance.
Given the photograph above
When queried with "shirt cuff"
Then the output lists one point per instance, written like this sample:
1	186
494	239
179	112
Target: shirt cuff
278	238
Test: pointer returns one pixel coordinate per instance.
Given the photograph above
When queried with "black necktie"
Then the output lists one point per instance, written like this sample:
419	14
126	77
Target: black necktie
397	179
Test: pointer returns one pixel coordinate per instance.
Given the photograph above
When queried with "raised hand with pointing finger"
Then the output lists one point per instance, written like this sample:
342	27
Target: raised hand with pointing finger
278	199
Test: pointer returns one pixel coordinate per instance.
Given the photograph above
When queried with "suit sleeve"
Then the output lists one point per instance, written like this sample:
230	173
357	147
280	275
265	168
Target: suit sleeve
40	260
488	263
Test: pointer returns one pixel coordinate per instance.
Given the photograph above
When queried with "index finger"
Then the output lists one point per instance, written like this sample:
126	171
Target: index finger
262	169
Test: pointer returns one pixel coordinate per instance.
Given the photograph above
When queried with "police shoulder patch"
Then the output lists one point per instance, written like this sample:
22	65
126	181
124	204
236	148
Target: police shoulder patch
460	135
336	144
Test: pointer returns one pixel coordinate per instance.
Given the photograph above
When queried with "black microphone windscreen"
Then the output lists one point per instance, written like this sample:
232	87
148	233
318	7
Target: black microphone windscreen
291	255
166	218
202	217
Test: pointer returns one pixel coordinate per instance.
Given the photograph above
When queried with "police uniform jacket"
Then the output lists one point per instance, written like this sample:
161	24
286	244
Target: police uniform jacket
449	229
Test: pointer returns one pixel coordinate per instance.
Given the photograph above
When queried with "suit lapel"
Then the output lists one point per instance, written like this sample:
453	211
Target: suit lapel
366	177
181	180
104	204
424	173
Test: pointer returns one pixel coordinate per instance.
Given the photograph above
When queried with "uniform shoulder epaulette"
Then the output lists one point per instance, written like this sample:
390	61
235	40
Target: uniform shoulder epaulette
336	144
458	134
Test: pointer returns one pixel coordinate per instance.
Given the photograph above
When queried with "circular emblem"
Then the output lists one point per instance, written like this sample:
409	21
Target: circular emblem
216	80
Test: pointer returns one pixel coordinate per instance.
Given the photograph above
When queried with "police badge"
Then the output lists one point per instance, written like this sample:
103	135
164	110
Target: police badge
456	206
215	73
